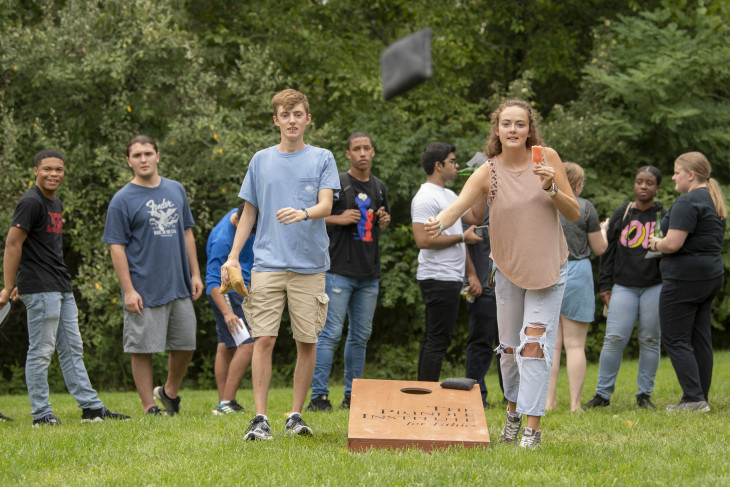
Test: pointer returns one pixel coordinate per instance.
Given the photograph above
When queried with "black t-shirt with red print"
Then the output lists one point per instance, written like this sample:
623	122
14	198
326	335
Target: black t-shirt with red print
41	268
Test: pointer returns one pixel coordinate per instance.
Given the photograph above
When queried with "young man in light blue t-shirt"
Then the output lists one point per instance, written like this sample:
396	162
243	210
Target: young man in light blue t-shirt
290	188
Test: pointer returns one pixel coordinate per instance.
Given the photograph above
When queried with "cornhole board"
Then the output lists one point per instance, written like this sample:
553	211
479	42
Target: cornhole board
401	414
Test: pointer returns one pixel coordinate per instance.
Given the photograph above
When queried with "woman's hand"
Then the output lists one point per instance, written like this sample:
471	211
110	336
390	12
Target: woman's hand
653	242
433	227
546	173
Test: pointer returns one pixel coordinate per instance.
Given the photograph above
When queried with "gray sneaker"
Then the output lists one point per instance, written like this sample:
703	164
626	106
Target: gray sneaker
295	425
511	429
259	429
700	406
530	438
172	406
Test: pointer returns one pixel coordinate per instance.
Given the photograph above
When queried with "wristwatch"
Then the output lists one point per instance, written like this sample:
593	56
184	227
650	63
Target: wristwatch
553	190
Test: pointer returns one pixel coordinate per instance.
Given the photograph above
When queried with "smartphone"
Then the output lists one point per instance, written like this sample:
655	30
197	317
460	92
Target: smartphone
482	231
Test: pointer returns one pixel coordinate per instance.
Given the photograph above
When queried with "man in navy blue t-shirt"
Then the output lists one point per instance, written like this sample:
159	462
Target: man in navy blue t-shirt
149	229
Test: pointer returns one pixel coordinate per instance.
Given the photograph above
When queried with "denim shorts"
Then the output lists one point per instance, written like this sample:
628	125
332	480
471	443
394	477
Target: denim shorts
579	299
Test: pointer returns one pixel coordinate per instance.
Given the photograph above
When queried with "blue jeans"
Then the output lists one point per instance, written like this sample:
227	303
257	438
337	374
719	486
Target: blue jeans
53	325
526	378
355	298
626	306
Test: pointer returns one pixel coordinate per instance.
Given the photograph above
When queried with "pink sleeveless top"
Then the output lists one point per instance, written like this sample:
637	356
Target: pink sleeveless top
527	240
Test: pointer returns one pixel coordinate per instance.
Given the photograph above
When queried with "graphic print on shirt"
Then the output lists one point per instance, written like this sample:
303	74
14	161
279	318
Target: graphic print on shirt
163	217
636	234
56	225
365	224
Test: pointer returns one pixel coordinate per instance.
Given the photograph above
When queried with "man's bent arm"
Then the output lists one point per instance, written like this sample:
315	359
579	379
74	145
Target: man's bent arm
322	209
424	241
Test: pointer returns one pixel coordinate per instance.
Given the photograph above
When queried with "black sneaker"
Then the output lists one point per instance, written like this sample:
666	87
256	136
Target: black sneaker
172	406
99	415
644	401
486	404
597	401
319	403
153	411
235	406
345	404
295	425
49	419
4	418
259	429
230	408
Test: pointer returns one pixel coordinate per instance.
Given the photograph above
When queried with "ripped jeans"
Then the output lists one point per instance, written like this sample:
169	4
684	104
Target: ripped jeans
526	378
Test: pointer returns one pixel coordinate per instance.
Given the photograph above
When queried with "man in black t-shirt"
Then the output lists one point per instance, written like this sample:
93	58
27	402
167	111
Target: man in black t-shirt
358	216
34	259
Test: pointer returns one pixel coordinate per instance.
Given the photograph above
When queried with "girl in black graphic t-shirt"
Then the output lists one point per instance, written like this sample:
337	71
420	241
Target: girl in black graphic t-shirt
692	274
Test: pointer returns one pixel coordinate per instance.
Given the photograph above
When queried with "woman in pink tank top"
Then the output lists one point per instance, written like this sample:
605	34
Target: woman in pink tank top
526	186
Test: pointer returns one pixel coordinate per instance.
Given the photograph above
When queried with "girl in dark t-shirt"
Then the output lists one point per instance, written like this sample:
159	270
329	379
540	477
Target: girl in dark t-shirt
693	274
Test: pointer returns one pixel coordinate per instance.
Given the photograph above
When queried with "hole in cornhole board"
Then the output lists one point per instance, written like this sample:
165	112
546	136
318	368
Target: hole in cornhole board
402	414
415	390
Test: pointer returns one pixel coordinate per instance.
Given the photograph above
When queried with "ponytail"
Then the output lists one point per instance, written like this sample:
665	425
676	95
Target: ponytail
716	195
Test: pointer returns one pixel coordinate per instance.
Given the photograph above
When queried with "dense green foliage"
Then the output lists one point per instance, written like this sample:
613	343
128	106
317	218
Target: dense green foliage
620	84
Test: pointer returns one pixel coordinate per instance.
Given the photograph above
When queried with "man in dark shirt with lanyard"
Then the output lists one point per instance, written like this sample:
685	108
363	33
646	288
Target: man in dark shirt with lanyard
34	252
357	218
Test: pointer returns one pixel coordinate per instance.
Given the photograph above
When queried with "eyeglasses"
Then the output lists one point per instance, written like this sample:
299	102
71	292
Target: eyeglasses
451	161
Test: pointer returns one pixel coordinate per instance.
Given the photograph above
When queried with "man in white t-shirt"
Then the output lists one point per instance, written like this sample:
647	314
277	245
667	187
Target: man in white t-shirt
441	261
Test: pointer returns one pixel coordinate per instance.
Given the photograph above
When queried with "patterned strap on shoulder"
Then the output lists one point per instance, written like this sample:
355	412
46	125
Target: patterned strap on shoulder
492	181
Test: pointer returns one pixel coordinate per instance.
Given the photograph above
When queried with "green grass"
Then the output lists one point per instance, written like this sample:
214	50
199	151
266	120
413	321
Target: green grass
619	445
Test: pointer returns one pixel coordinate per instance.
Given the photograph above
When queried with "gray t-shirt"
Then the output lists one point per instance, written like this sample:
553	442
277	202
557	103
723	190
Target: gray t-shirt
576	233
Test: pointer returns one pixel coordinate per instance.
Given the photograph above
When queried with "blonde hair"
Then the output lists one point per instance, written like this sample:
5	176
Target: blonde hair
288	99
575	174
493	145
697	162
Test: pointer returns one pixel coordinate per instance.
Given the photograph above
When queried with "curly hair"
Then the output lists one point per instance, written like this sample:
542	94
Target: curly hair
493	145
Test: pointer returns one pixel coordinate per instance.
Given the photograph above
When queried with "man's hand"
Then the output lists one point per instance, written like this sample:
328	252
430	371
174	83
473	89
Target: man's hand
288	216
470	237
475	287
133	302
347	217
383	218
232	321
6	296
231	262
606	297
197	287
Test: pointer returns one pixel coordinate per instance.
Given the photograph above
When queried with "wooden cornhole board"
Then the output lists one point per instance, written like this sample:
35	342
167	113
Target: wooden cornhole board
382	415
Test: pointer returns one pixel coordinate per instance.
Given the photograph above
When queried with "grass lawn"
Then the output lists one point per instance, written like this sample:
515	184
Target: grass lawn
619	445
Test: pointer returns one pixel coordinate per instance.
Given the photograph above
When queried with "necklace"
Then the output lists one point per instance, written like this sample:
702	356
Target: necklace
517	173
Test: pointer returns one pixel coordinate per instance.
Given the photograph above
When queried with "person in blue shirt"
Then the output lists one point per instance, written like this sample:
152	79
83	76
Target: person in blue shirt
231	360
149	231
290	188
